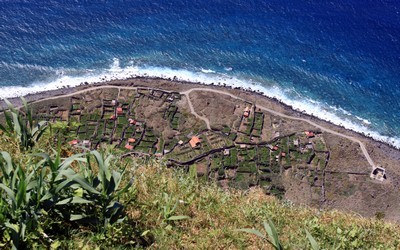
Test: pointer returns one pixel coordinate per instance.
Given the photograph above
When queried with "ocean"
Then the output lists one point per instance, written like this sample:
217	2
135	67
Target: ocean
337	60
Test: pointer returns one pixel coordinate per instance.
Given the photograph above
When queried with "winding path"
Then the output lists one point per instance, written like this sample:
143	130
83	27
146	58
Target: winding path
187	92
194	112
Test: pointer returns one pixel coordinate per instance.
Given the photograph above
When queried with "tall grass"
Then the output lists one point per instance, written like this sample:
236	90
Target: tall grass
89	200
216	214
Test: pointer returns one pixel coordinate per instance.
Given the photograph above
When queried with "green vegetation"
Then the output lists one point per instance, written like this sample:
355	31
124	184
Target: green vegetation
21	128
58	196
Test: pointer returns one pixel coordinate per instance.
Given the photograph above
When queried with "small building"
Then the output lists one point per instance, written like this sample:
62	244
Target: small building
131	121
296	142
120	111
379	174
283	154
246	112
114	102
129	147
195	141
131	140
309	134
73	142
86	143
275	148
180	142
226	151
113	117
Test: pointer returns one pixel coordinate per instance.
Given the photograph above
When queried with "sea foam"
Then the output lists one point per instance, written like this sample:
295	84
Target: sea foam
332	114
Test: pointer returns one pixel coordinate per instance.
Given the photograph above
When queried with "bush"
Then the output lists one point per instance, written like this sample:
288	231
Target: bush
48	191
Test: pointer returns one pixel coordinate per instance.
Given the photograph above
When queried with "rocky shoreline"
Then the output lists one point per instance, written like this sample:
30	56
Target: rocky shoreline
179	84
382	154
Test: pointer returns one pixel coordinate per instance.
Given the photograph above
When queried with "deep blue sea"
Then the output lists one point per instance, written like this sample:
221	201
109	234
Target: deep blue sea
338	59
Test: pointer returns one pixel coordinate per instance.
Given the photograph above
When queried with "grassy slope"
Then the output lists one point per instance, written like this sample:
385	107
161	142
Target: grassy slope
215	214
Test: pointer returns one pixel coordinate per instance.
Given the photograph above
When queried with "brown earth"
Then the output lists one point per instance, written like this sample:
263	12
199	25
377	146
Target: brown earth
346	182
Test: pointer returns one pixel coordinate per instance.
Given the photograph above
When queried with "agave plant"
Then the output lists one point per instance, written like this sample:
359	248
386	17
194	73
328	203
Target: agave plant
272	238
20	211
22	127
101	190
30	192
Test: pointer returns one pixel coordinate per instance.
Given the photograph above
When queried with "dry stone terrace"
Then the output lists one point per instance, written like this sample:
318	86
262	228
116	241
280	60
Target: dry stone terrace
245	146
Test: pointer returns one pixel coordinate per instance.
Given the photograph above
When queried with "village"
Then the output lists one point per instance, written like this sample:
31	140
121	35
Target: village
229	141
157	123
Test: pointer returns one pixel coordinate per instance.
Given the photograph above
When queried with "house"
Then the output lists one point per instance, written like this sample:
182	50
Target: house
246	112
113	117
226	151
283	154
195	141
379	174
309	134
296	142
114	102
73	142
180	142
131	121
120	111
129	147
86	143
275	148
131	140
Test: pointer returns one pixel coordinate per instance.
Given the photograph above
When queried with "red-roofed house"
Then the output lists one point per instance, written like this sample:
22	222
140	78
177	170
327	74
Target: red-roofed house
113	117
195	141
283	154
73	142
129	147
119	111
131	140
275	148
309	134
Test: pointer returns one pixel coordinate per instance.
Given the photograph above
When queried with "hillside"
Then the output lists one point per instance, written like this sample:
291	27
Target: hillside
172	209
233	137
182	167
69	197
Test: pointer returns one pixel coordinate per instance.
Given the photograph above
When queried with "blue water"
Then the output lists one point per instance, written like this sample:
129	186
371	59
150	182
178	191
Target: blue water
339	60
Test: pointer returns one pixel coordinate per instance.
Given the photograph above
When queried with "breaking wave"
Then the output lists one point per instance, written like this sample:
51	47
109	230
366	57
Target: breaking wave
292	98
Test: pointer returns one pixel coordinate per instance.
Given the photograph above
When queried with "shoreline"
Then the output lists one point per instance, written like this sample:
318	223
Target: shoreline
37	96
352	156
